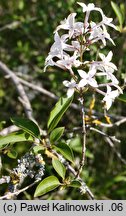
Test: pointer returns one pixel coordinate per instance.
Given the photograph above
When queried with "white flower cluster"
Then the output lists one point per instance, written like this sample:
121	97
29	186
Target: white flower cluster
68	50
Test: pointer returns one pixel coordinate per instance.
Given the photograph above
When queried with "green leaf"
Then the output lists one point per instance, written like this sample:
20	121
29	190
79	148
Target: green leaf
47	185
37	149
21	5
14	137
58	111
59	167
120	179
56	134
122	8
117	12
66	151
12	154
76	144
75	184
122	97
27	125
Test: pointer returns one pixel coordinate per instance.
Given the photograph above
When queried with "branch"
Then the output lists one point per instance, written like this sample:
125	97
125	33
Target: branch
108	140
8	130
23	97
84	135
113	138
39	89
11	195
15	24
117	123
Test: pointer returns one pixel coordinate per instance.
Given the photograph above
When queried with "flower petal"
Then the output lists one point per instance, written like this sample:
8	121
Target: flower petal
70	92
92	82
109	56
102	56
66	83
82	74
108	103
82	83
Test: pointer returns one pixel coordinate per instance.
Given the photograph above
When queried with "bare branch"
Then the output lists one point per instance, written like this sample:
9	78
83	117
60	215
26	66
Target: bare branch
113	138
8	130
11	195
23	97
117	123
84	135
38	88
109	141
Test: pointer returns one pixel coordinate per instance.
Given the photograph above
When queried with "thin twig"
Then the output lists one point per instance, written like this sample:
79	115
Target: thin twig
38	88
23	97
113	138
109	141
84	135
11	195
117	123
16	24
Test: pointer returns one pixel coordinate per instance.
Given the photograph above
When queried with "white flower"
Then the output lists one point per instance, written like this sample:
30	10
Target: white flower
106	60
87	78
71	87
110	97
75	28
57	49
69	61
106	67
89	7
107	21
59	45
49	62
97	33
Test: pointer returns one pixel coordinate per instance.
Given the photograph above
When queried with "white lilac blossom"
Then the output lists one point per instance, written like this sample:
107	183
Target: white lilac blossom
110	97
87	78
71	40
74	28
97	33
68	61
71	86
106	67
106	61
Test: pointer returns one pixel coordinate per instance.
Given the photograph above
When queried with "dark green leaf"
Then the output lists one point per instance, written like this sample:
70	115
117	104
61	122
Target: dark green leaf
27	125
66	151
56	134
47	185
59	167
117	12
14	137
12	154
58	111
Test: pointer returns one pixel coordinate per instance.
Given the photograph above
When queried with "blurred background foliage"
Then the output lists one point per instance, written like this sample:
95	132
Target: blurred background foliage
26	34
